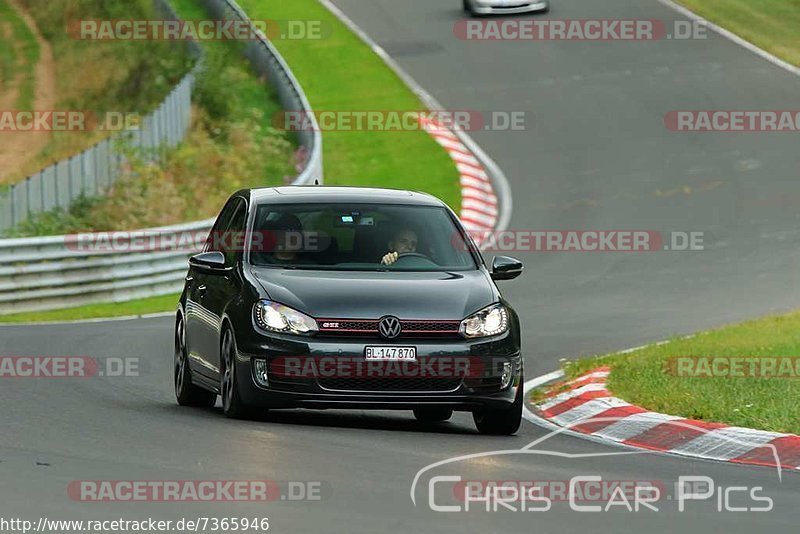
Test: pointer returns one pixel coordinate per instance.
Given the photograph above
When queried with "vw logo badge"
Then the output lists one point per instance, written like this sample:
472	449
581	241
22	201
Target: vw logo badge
389	327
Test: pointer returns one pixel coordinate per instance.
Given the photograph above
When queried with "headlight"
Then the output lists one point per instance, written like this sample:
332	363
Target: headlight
490	321
275	317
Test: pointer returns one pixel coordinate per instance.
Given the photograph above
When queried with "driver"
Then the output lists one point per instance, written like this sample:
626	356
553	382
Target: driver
284	252
403	242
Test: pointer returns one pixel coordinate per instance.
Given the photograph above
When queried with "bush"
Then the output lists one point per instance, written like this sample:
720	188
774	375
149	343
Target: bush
78	218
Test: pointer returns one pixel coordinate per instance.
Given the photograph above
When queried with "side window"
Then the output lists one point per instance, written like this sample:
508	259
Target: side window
214	241
234	239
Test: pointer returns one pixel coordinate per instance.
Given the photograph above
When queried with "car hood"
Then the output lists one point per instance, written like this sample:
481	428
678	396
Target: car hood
370	295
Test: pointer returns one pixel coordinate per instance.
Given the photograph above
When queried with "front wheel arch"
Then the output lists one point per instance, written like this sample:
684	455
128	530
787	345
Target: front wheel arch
232	404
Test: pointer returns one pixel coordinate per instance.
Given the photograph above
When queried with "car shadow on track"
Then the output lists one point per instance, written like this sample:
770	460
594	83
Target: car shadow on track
400	421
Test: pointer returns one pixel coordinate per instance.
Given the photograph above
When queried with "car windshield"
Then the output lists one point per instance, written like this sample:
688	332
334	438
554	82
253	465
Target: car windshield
358	237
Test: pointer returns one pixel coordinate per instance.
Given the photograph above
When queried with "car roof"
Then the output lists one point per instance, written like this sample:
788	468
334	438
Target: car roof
310	194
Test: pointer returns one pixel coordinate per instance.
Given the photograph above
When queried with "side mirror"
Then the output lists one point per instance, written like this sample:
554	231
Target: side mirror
505	268
210	262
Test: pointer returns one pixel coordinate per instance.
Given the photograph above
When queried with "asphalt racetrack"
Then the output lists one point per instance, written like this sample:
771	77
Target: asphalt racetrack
595	155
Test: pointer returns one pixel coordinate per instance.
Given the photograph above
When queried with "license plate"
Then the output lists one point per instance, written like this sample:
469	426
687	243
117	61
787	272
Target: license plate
391	353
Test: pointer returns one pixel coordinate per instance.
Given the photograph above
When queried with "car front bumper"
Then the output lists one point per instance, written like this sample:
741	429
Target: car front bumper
480	389
526	7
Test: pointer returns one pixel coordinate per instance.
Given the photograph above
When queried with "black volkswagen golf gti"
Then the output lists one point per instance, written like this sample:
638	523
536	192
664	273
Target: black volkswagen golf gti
346	297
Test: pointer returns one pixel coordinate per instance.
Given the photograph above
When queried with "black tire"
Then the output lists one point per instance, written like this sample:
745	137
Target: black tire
502	422
432	415
468	8
186	392
232	404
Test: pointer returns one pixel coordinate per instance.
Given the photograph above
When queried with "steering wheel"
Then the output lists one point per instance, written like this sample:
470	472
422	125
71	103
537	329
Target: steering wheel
408	255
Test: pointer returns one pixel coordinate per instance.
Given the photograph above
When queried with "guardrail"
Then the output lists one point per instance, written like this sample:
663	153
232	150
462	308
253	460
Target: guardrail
53	272
96	168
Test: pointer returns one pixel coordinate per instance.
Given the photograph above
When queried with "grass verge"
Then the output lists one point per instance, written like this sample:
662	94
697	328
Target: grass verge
340	73
19	53
97	311
649	379
769	24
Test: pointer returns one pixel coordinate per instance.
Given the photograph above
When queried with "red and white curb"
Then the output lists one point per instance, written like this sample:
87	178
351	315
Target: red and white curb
478	200
585	406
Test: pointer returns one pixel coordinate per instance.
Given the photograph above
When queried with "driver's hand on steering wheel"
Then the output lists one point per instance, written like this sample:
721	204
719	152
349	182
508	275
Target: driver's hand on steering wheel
389	258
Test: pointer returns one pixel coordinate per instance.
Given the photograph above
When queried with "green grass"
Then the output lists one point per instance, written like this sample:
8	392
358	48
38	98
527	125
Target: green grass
771	404
773	25
339	72
95	311
7	56
18	58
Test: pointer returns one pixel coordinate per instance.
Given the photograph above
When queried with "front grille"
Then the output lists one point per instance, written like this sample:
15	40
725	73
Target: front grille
430	326
369	328
349	325
390	384
515	6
